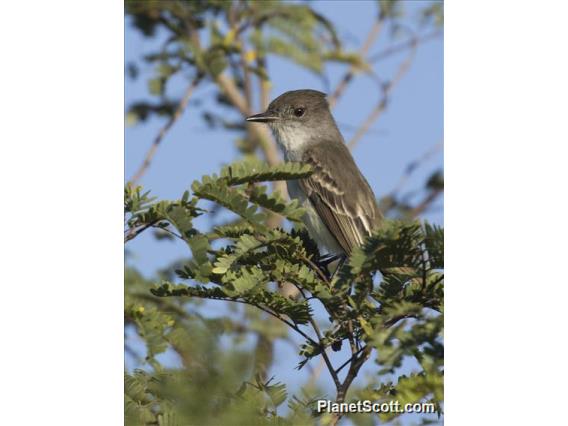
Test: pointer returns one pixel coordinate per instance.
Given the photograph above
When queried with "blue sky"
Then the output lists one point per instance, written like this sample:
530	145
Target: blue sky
411	125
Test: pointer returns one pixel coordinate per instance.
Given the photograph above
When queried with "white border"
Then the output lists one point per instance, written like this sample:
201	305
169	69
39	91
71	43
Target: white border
61	172
61	167
506	155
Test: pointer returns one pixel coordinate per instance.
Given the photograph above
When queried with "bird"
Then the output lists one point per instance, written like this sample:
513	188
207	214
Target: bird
341	208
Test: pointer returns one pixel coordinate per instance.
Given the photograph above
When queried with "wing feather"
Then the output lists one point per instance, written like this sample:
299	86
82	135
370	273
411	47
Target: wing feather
343	199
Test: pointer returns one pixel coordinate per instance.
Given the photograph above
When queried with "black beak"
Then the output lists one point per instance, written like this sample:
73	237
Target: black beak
263	117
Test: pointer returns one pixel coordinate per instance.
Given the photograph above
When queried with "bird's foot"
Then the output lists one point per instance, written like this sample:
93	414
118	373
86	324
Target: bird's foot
326	260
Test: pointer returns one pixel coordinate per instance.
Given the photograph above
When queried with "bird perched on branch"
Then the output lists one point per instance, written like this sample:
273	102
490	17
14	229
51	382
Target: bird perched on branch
341	209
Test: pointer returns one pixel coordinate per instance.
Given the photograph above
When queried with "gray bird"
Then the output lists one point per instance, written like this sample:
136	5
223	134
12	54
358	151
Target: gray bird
341	209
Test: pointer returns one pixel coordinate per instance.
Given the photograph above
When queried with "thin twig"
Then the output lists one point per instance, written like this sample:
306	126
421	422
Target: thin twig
229	88
354	368
165	306
428	200
398	318
321	346
276	315
134	232
317	269
260	132
247	81
379	109
370	40
264	83
324	354
403	46
177	114
346	363
351	338
437	280
414	165
172	233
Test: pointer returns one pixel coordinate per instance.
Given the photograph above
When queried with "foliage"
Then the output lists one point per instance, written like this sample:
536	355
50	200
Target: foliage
395	316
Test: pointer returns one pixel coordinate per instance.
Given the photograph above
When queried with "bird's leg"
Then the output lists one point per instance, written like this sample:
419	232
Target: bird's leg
342	260
328	258
324	262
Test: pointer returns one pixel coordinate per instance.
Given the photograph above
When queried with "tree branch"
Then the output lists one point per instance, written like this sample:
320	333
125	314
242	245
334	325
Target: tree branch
379	109
264	83
324	355
322	347
229	88
260	132
403	46
415	164
346	363
134	232
428	200
316	269
277	316
160	136
354	368
370	40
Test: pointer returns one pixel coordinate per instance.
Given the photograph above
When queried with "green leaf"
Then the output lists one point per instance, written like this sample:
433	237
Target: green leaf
156	86
251	171
246	279
273	202
232	230
218	191
199	244
298	311
390	9
277	393
434	241
215	61
181	218
394	245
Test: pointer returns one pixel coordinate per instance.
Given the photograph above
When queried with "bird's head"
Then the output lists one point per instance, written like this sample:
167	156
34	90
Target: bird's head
298	118
296	106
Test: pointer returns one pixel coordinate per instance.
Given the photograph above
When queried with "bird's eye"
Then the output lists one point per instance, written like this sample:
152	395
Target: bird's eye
298	112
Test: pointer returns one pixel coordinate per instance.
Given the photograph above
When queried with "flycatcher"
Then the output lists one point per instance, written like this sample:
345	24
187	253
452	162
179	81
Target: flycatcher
341	209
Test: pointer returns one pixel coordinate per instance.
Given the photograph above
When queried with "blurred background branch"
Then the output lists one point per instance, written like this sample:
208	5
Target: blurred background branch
164	130
386	89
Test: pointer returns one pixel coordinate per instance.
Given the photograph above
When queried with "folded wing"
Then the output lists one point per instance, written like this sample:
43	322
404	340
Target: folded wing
340	194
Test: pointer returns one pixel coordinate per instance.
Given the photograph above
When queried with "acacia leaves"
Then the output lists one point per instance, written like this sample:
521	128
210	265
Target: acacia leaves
234	189
142	212
252	171
274	303
388	296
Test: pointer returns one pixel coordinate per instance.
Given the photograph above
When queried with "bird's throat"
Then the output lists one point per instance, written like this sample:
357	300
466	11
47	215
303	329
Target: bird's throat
292	140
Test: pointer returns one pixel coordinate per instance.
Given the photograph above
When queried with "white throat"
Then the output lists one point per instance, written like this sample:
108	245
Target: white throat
292	140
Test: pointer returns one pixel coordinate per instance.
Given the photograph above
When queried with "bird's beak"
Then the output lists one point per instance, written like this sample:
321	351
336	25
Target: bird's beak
263	117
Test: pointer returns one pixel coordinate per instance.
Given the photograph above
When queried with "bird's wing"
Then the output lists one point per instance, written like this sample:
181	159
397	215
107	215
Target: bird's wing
342	197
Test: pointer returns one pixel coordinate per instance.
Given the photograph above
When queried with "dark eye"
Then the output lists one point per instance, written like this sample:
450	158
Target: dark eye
298	112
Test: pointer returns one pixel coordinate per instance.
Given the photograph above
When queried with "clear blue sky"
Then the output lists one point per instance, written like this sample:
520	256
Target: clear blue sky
412	124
